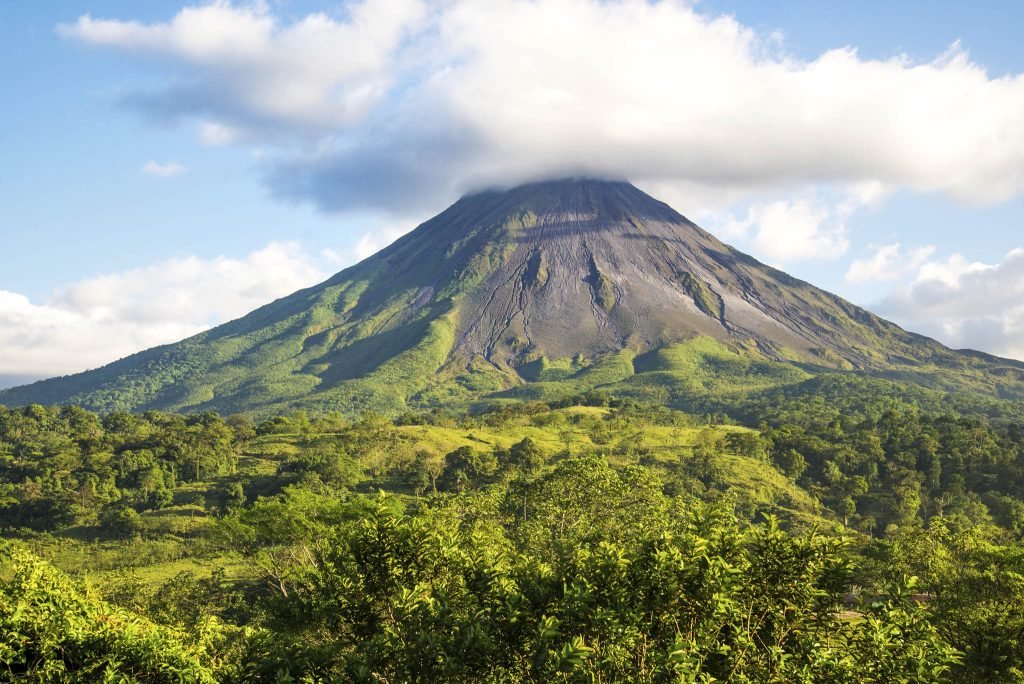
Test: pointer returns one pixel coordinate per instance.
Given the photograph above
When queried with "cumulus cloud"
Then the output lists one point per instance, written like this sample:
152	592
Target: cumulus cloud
403	103
384	235
316	72
966	304
98	320
788	230
216	134
40	341
152	168
889	262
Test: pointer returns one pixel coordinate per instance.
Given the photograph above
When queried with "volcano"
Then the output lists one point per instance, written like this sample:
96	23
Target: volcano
536	291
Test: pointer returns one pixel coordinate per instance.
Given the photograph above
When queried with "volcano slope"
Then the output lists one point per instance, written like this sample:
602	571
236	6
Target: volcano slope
544	290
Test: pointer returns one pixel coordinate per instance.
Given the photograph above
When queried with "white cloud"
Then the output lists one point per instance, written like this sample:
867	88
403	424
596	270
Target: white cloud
152	168
40	340
966	304
889	262
404	102
949	272
216	134
788	230
811	225
314	72
98	320
385	233
883	265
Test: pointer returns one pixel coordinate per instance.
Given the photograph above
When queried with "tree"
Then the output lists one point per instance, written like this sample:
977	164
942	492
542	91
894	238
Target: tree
465	469
423	471
159	498
241	427
277	537
583	498
907	501
525	457
232	497
706	449
120	520
747	444
792	463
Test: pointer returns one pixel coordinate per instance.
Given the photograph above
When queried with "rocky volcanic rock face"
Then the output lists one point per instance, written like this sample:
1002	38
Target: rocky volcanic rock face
563	272
588	267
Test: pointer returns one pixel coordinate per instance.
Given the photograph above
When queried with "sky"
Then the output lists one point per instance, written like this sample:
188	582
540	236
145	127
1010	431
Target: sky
168	166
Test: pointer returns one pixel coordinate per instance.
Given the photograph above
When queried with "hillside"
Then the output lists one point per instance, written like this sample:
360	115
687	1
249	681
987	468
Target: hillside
541	291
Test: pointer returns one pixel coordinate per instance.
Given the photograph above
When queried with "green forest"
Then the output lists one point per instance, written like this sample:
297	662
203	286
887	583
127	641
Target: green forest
590	539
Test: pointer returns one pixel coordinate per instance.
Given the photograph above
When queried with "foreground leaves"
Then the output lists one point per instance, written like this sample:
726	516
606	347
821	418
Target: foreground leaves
51	632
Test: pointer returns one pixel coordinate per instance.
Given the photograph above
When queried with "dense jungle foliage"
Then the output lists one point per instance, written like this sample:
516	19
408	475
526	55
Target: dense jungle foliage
583	540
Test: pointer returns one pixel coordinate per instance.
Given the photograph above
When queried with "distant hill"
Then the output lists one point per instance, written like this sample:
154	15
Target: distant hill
539	291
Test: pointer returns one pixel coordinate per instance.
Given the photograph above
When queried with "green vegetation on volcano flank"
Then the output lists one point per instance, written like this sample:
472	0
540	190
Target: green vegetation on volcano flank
542	291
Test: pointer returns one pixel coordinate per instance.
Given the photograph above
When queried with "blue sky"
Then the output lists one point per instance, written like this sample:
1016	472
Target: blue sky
284	140
71	167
